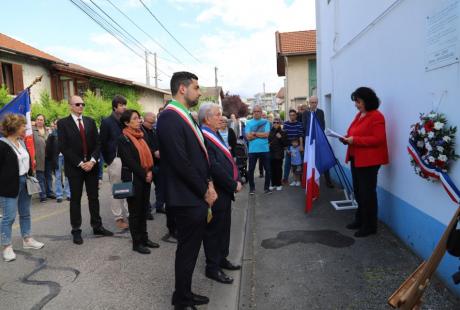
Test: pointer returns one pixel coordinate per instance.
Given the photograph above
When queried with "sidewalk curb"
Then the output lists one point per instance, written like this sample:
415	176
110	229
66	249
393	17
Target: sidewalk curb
225	296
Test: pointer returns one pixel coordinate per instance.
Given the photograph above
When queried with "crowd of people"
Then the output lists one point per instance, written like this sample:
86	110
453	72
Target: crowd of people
191	158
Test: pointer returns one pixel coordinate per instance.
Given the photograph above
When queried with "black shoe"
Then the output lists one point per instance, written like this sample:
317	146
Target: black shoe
42	200
68	198
199	299
330	185
150	217
52	196
151	244
354	225
141	249
77	239
364	233
59	200
181	307
252	192
219	276
161	210
229	266
267	191
261	175
101	231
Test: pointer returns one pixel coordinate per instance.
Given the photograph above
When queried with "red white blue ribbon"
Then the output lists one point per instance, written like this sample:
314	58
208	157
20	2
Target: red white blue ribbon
435	173
214	139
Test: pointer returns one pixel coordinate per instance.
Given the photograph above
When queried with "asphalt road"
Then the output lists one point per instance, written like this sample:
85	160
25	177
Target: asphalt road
104	272
293	260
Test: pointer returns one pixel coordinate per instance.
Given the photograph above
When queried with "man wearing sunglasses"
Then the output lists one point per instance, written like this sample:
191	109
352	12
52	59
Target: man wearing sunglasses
79	143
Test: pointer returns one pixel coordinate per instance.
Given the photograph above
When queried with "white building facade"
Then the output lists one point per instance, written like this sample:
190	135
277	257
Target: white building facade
388	45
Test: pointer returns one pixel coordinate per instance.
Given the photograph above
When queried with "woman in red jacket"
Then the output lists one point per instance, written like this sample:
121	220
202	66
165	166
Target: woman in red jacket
367	151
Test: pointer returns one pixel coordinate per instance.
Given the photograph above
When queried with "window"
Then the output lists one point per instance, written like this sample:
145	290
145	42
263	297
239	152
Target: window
7	77
65	89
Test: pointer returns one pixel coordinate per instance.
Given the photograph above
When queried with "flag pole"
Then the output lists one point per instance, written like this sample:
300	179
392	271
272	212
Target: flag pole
37	80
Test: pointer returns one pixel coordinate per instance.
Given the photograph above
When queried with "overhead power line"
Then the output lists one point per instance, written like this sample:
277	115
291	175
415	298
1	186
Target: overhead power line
146	33
111	32
172	36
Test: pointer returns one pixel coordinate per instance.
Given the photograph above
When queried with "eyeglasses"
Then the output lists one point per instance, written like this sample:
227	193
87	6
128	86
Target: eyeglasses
79	104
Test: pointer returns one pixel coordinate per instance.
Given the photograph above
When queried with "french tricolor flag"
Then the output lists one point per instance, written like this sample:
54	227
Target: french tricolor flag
21	105
318	157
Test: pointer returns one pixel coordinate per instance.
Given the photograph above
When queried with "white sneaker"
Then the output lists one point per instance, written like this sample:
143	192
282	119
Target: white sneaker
278	188
271	188
293	183
8	254
32	244
297	183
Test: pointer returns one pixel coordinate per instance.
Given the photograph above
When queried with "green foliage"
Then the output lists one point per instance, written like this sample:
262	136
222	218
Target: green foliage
4	96
50	108
282	115
109	90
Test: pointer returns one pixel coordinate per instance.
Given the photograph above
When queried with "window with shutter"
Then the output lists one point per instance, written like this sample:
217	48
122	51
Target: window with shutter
7	76
18	80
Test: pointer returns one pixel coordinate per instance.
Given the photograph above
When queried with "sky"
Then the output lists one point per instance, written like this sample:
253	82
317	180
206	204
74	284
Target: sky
236	36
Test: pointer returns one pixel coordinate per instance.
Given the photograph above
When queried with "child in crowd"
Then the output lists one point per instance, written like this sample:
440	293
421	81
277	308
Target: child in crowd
296	162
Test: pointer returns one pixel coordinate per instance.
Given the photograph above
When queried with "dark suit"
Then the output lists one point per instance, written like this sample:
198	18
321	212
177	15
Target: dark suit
217	237
306	120
110	132
184	179
132	171
71	146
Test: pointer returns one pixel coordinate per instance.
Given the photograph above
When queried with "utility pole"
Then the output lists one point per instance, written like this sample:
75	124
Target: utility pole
264	88
215	76
156	70
147	73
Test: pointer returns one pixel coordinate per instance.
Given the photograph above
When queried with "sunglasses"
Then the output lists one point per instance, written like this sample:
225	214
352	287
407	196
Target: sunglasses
276	122
79	104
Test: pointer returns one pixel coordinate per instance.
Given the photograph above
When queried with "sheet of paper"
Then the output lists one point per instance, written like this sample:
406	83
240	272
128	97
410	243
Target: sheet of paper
330	133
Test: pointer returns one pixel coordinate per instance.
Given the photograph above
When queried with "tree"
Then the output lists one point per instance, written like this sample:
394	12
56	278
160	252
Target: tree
232	104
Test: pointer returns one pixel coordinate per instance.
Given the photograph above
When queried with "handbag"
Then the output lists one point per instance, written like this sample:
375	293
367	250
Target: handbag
122	190
33	185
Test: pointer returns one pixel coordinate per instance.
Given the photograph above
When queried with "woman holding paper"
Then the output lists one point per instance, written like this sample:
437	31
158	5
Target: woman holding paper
367	151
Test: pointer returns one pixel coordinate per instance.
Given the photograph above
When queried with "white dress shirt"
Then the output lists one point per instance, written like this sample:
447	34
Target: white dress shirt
75	119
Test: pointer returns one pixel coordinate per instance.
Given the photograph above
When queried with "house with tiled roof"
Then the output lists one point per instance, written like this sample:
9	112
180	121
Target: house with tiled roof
21	63
296	61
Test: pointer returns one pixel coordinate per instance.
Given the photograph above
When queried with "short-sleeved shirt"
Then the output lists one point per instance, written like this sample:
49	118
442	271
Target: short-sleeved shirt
294	130
258	145
296	158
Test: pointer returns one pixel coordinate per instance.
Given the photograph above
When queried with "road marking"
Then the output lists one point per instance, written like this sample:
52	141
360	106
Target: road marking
44	217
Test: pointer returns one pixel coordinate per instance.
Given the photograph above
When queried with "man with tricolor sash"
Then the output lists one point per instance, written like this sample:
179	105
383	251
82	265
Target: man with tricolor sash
224	173
186	179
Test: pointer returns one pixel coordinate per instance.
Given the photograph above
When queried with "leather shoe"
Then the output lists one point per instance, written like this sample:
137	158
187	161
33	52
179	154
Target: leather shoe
364	233
181	307
229	266
141	249
149	217
77	239
101	231
151	244
219	276
199	299
354	225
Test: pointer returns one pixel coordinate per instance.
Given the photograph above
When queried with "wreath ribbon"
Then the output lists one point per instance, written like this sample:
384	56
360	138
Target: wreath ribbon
434	172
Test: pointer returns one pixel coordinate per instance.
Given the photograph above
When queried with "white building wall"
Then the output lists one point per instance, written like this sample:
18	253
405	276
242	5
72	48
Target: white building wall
381	44
31	70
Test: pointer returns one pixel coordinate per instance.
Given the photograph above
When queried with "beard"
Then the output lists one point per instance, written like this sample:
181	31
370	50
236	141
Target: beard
190	102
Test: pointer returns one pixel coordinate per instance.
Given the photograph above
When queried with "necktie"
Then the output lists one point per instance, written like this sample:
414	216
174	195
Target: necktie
83	139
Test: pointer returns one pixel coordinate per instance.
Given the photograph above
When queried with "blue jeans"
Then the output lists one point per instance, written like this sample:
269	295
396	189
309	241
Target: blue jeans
59	176
265	159
287	166
9	205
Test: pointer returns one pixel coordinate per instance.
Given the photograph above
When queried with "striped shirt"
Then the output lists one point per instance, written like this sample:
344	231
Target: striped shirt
294	130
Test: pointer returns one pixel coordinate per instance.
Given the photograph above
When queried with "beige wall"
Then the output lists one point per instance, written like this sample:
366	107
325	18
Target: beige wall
30	70
296	79
150	100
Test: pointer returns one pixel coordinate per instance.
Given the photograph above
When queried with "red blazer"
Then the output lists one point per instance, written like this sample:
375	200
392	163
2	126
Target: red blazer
369	146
